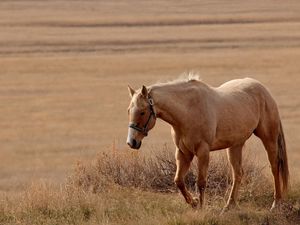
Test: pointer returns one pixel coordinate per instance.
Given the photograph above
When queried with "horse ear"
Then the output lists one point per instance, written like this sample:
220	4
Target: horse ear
144	91
131	91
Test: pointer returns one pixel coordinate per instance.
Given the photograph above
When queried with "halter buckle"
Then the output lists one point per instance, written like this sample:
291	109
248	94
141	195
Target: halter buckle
151	102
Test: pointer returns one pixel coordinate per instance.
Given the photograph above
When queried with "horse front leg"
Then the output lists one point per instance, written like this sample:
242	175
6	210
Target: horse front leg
183	162
203	162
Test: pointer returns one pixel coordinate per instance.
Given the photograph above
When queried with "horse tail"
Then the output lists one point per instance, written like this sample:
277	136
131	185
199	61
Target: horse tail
282	160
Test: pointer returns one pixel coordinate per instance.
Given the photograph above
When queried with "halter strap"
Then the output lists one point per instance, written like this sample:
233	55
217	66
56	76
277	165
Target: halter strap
144	130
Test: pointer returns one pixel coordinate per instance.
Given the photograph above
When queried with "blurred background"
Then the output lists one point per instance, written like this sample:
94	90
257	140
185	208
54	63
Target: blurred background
65	66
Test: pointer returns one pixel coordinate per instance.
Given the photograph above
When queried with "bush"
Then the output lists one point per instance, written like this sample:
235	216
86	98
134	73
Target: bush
156	171
129	169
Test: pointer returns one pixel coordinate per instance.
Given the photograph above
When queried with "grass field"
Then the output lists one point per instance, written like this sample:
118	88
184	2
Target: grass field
65	66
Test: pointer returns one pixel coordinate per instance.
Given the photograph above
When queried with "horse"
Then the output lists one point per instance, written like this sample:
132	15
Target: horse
204	119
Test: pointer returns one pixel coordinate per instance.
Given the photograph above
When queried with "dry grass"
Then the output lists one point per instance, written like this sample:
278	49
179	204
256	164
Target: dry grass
129	189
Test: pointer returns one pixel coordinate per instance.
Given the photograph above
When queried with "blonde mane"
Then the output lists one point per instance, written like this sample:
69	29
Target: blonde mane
183	78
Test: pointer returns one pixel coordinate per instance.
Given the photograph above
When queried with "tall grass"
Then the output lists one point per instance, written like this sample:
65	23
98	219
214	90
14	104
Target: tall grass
126	187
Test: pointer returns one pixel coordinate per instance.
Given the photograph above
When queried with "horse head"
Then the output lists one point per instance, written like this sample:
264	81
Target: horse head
141	114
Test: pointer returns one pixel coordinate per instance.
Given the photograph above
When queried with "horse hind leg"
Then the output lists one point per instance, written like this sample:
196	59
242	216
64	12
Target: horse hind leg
271	148
277	156
183	163
234	154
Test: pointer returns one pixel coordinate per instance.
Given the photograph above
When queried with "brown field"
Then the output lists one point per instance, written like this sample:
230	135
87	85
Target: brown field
65	66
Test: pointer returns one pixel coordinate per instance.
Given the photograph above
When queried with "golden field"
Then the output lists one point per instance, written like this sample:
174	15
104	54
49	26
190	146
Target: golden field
65	66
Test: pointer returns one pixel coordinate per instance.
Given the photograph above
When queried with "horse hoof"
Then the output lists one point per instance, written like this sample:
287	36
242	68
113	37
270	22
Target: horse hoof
195	203
275	206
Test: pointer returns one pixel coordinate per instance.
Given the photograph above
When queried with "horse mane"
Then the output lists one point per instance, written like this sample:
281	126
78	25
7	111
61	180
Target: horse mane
183	78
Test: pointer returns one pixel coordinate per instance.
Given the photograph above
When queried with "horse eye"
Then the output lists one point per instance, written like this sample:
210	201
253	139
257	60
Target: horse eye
142	113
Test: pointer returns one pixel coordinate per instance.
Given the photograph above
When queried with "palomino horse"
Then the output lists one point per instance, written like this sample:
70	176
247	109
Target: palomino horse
204	119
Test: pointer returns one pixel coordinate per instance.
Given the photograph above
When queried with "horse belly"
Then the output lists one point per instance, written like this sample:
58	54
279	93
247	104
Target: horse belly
234	131
228	141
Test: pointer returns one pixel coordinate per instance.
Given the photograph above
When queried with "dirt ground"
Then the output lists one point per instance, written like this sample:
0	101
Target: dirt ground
65	66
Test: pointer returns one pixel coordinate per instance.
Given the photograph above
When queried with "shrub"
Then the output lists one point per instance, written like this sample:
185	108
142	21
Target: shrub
156	171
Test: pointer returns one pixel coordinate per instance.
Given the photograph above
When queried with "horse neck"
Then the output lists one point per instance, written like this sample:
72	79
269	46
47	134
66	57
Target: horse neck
169	106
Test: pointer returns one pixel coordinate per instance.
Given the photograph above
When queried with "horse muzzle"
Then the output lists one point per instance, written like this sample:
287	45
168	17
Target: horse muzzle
134	144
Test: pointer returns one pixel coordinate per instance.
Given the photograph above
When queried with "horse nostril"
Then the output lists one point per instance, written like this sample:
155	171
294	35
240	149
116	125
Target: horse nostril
133	143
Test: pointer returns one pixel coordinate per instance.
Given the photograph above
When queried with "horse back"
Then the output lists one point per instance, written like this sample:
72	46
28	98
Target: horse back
240	106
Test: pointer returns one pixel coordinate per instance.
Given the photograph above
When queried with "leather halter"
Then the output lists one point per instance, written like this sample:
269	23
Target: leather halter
144	130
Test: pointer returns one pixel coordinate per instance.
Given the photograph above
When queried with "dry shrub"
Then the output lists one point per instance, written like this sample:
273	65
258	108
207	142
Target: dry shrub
156	171
130	169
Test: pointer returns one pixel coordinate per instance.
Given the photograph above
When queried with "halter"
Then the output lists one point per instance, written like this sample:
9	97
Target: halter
144	130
